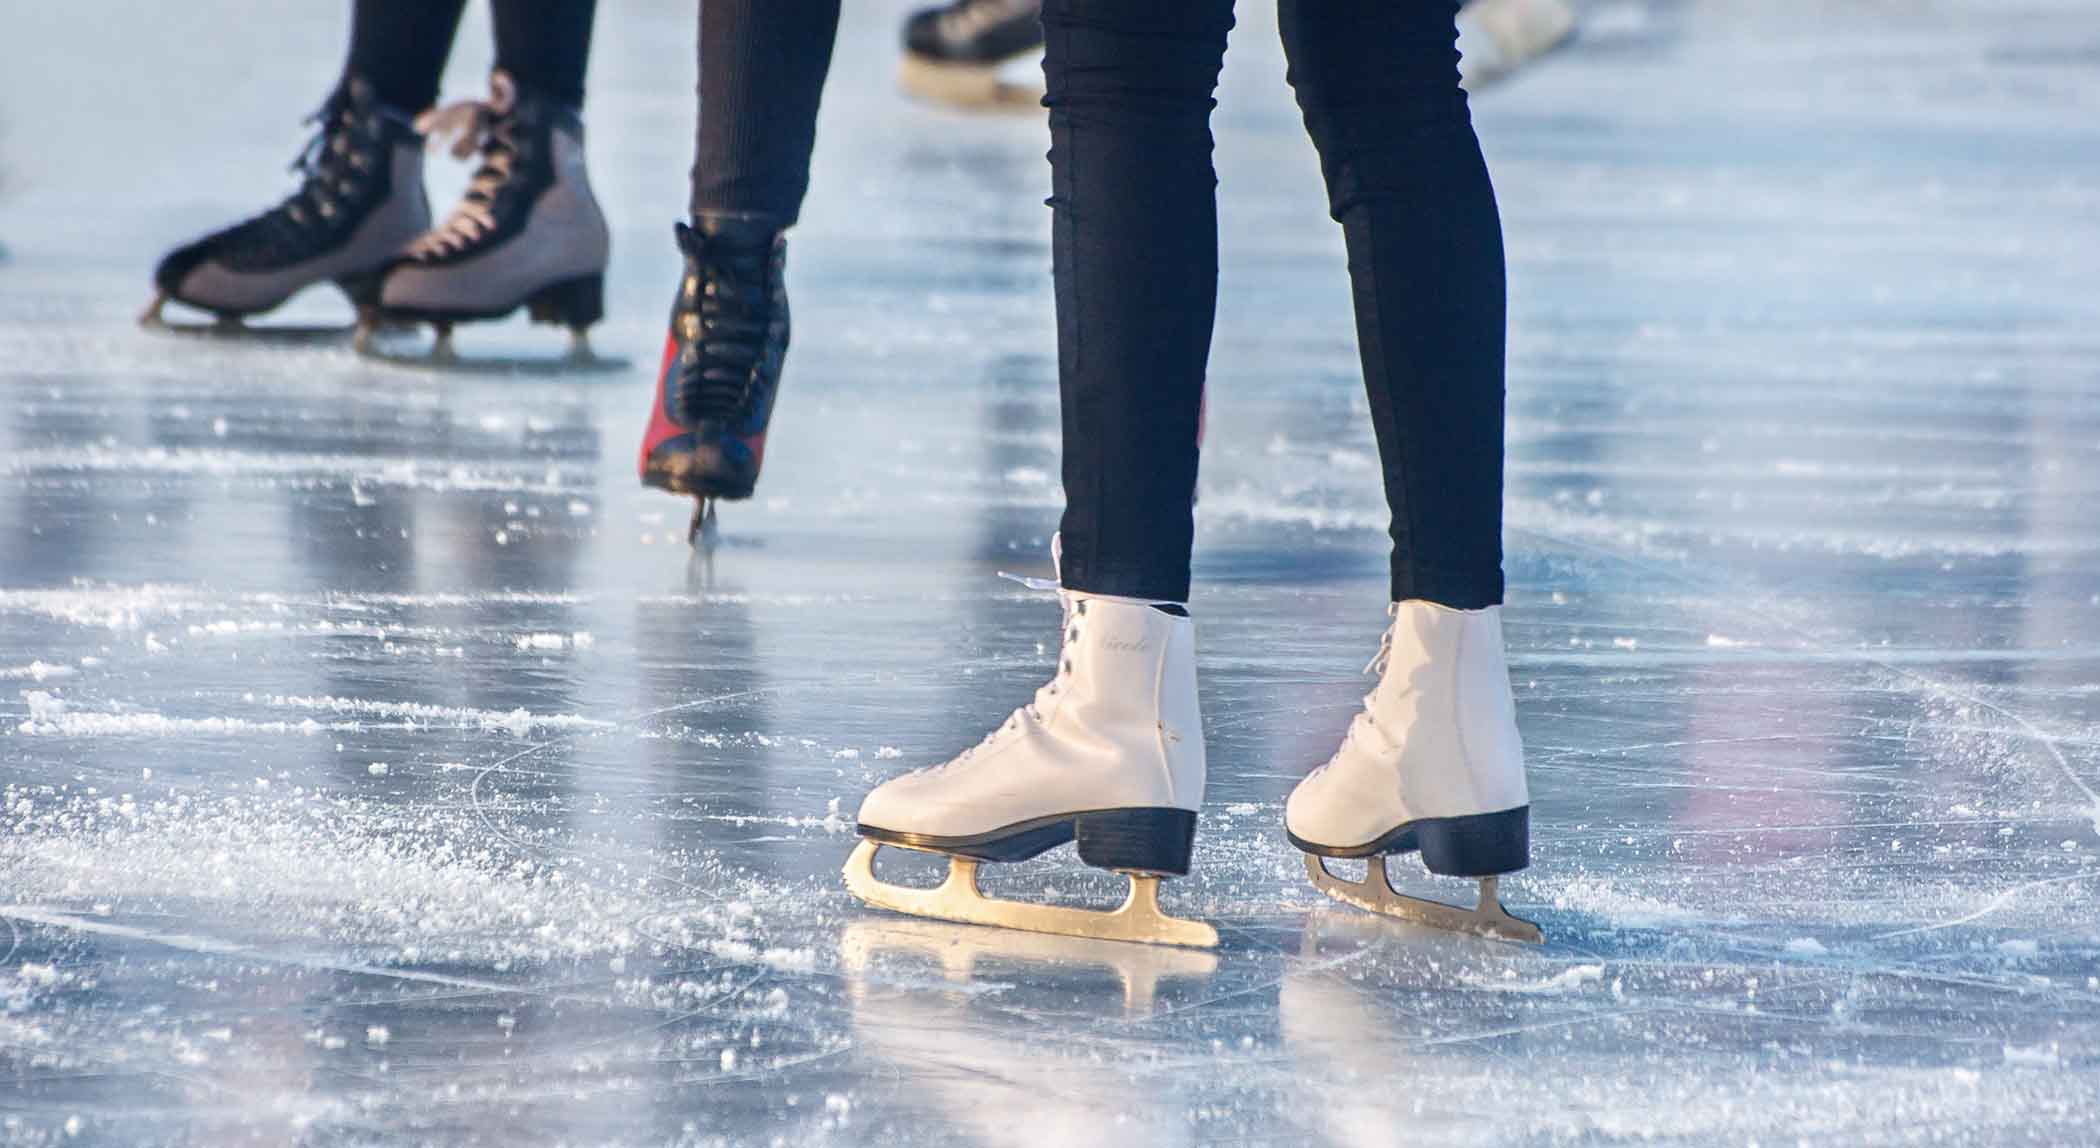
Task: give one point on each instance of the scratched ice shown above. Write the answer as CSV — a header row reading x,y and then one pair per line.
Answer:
x,y
376,769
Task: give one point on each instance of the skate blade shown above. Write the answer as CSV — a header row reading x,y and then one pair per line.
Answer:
x,y
1376,893
234,329
441,356
516,366
973,87
704,532
958,899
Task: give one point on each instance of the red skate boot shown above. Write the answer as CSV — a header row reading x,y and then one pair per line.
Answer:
x,y
721,366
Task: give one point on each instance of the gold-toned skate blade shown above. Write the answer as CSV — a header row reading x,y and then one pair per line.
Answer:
x,y
234,329
1138,919
973,87
441,355
1376,893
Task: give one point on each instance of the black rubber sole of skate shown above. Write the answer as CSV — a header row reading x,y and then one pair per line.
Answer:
x,y
574,303
1146,839
1477,845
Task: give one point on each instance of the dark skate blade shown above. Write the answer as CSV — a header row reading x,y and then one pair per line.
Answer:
x,y
517,366
704,532
266,335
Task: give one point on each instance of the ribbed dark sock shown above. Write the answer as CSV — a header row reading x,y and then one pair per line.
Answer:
x,y
762,69
399,47
545,45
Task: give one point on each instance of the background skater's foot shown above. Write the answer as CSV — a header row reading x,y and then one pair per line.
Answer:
x,y
360,199
956,53
721,366
528,233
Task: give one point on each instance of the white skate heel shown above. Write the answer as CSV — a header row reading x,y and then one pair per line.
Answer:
x,y
1109,756
1432,765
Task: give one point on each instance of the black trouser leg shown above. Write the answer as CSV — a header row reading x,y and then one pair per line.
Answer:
x,y
1377,81
399,47
1135,249
545,45
762,69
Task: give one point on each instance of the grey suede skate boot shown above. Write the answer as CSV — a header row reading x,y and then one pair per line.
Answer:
x,y
528,232
360,200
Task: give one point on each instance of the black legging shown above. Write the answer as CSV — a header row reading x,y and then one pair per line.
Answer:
x,y
762,69
1135,247
399,46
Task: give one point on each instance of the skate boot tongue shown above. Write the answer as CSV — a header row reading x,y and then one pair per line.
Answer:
x,y
726,309
490,127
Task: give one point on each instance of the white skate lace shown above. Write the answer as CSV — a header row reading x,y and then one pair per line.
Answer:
x,y
1366,719
471,125
1074,614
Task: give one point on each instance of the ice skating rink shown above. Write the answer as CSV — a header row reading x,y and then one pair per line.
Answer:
x,y
379,770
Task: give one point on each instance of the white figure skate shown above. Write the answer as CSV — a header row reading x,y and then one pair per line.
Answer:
x,y
1433,763
1110,755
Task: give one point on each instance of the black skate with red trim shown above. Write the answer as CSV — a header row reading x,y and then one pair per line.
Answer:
x,y
721,366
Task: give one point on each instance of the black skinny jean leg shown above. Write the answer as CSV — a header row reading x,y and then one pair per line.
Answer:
x,y
1135,248
399,47
1377,81
545,45
762,69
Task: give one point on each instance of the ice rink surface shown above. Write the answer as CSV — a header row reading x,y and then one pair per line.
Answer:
x,y
376,768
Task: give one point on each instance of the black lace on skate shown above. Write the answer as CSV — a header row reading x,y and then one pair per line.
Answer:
x,y
332,167
490,127
725,307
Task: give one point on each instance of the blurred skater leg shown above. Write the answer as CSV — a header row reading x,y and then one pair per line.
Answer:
x,y
762,70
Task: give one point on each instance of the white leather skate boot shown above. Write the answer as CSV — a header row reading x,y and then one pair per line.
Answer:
x,y
1110,754
1432,763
